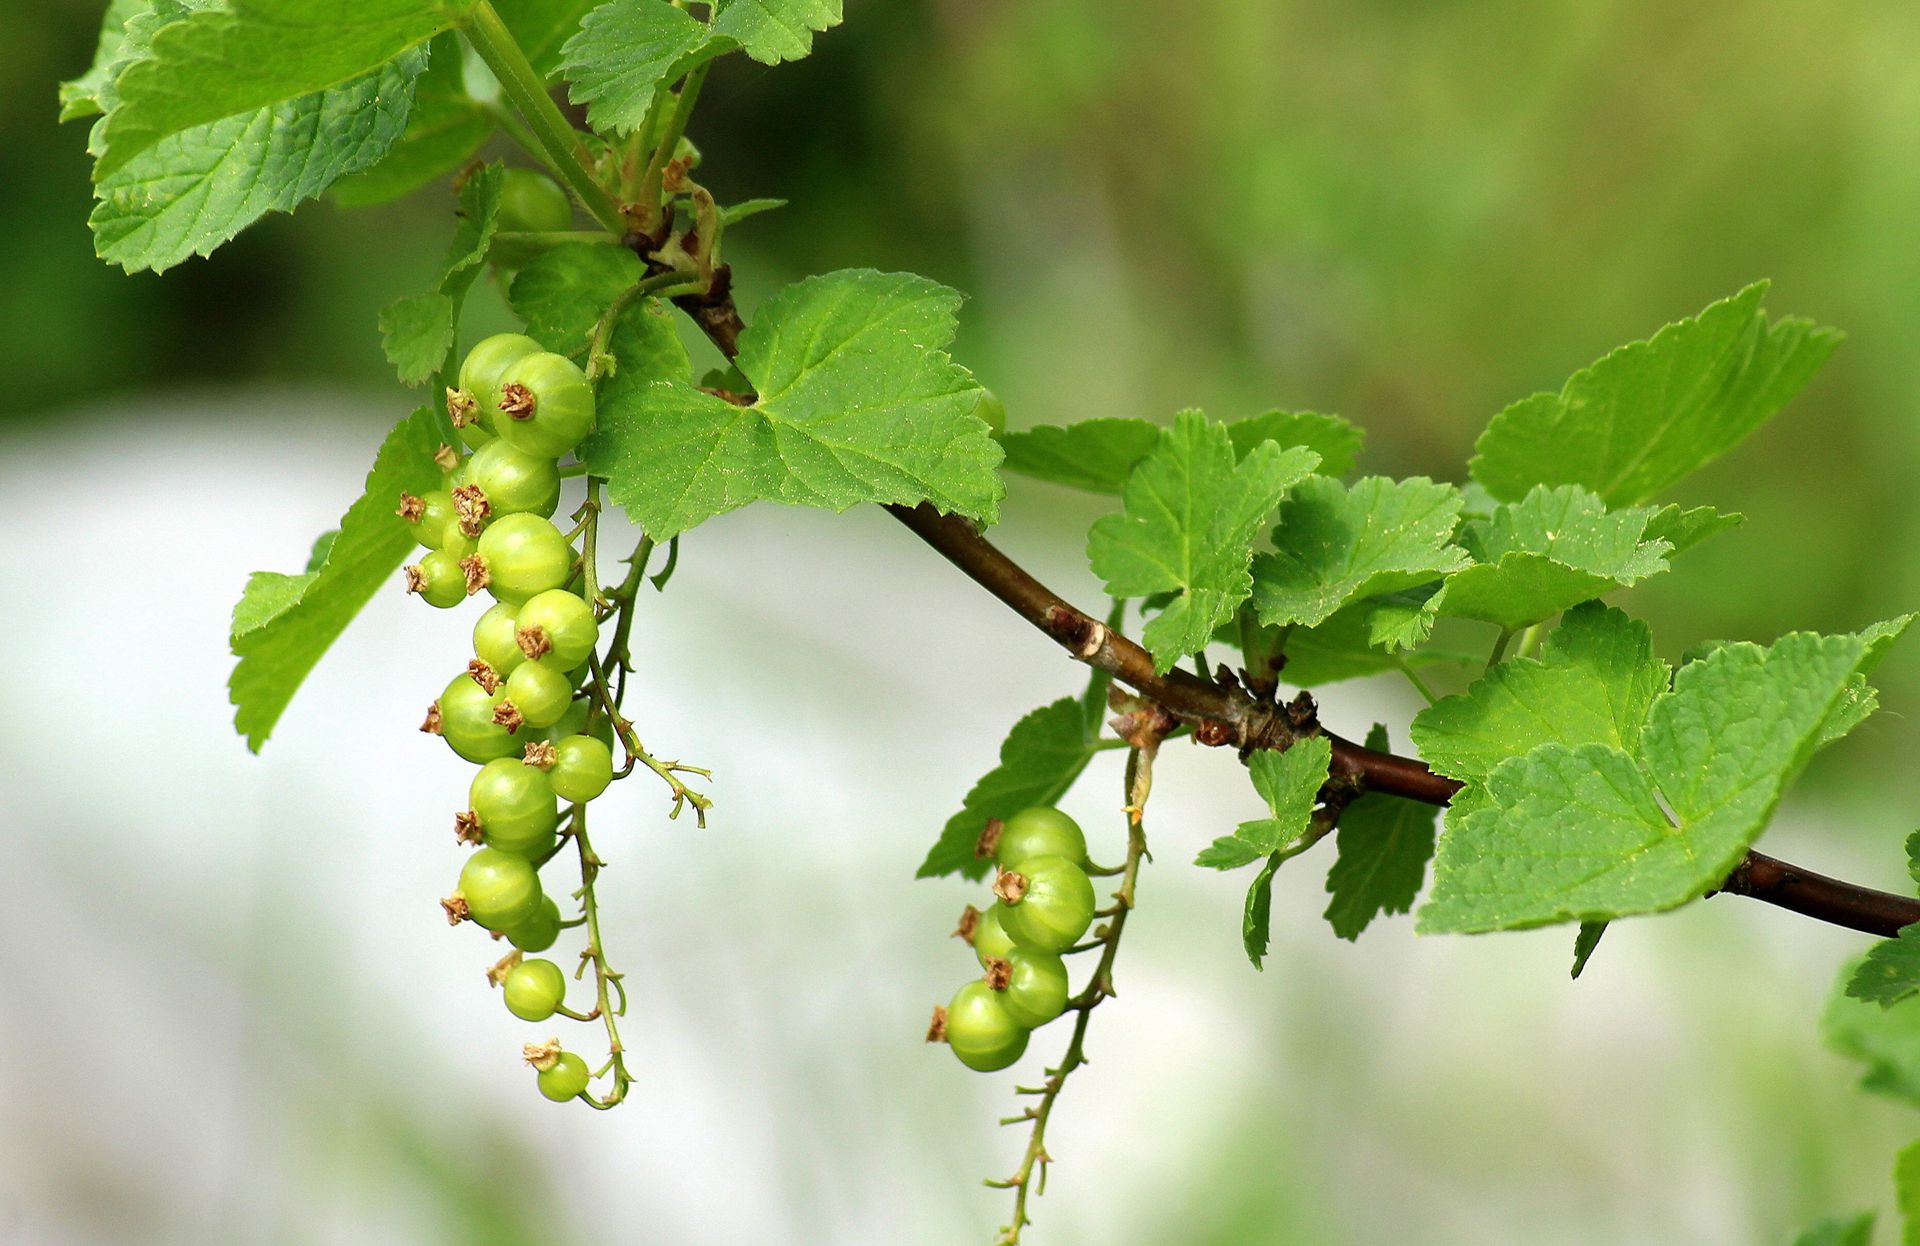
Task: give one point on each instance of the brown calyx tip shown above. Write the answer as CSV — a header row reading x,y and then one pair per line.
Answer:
x,y
411,508
937,1028
999,973
497,975
462,407
456,908
470,504
431,725
446,458
542,1056
484,675
541,755
989,841
416,578
969,922
475,569
517,400
534,642
1011,886
507,714
466,827
1212,733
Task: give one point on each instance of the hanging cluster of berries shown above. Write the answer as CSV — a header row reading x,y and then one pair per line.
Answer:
x,y
1043,904
518,710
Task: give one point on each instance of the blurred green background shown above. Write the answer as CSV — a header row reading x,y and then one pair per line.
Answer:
x,y
1410,214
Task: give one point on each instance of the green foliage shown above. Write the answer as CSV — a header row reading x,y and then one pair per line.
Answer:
x,y
1288,782
1884,1038
1096,455
1189,512
1336,545
1384,845
1851,1231
561,293
444,128
1652,413
858,402
626,51
772,31
417,332
1890,972
283,624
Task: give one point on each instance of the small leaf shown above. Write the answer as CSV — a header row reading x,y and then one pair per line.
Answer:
x,y
445,126
1042,756
1096,455
1891,971
1256,917
1290,783
625,51
1336,441
1584,944
1384,844
1336,545
416,333
562,293
1684,529
772,31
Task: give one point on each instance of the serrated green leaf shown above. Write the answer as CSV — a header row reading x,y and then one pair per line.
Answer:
x,y
625,51
1384,844
1684,529
444,128
252,55
1838,1231
1289,782
195,189
772,31
1593,683
284,624
1585,943
1890,972
1652,413
858,402
1336,441
1402,620
85,95
1095,455
542,27
1342,648
562,293
1550,551
416,333
1256,914
1042,756
1583,833
1885,1039
1336,545
1188,516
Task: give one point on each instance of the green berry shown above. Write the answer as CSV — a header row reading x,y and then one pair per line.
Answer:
x,y
532,203
501,888
990,937
545,404
514,481
465,721
438,579
430,514
522,555
582,768
1040,831
1036,990
574,722
1054,904
565,1079
540,693
558,627
534,989
480,382
980,1029
494,640
455,542
537,933
516,807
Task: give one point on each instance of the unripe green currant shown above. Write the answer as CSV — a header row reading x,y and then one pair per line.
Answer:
x,y
990,938
1035,989
1048,903
557,627
981,1031
582,768
574,722
532,203
474,404
537,933
515,806
519,556
429,513
514,482
540,693
534,989
438,579
546,404
501,888
565,1078
1040,831
495,638
463,716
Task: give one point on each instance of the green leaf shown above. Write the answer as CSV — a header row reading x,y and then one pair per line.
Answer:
x,y
1906,1189
1885,1039
1290,783
1554,549
562,293
1582,833
1095,455
1256,915
1856,1231
1593,683
226,62
89,93
746,208
284,624
1913,857
1042,756
772,31
444,128
1384,844
542,27
1335,545
626,51
1585,943
1652,413
416,333
1342,648
1684,529
858,402
1891,971
1188,516
1335,440
195,189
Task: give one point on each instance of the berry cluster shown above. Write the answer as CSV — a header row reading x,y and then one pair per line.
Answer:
x,y
1043,904
519,710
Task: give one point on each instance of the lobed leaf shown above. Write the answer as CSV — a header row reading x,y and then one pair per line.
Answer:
x,y
1335,545
562,293
1890,972
1384,844
1290,783
625,51
444,128
772,31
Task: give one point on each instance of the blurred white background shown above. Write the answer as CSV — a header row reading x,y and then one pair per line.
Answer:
x,y
238,1015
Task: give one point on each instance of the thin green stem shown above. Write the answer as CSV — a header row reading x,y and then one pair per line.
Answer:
x,y
1500,646
551,129
599,361
676,125
605,980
